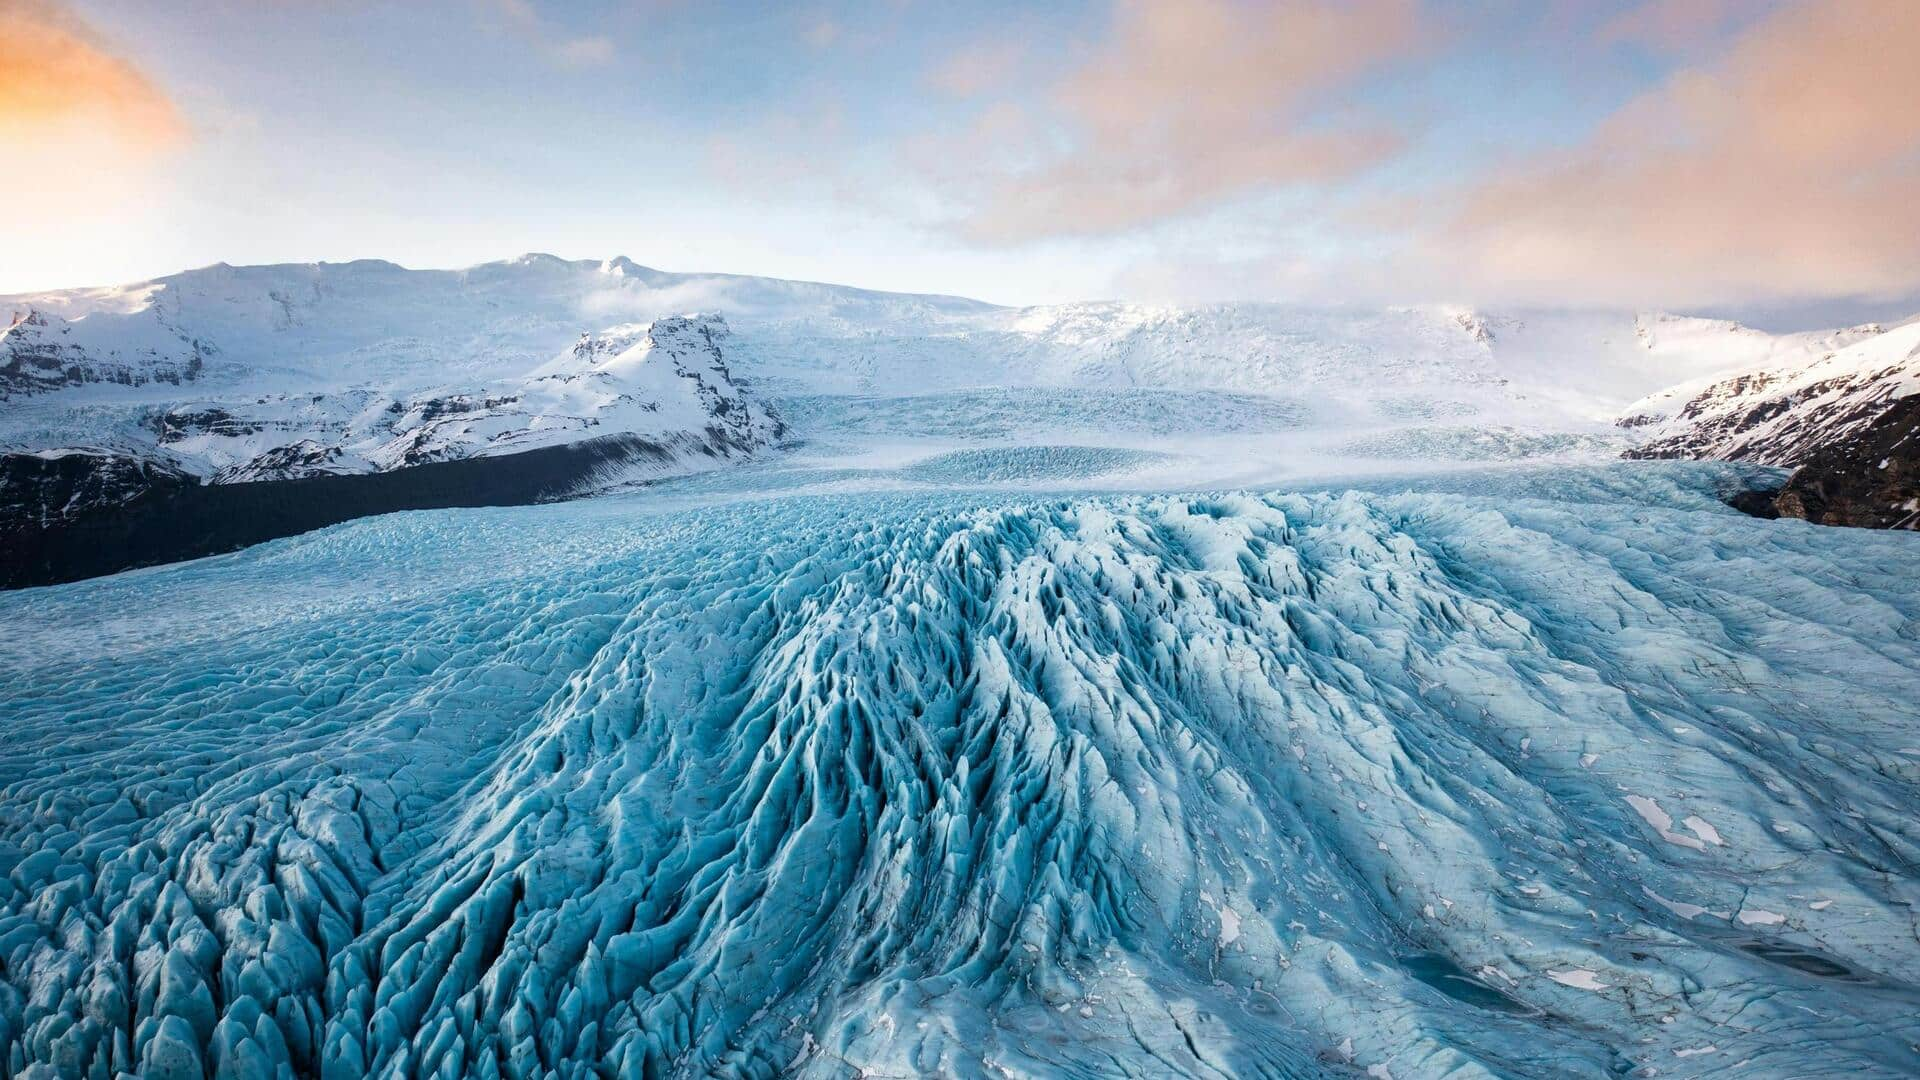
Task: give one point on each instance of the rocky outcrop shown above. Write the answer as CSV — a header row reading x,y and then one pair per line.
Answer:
x,y
46,491
1739,419
1869,479
83,515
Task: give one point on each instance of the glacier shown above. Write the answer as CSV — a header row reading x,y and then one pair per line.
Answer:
x,y
1550,771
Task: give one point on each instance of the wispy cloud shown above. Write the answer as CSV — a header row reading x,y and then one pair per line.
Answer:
x,y
58,78
1178,108
980,68
1787,165
565,50
821,33
1676,25
91,145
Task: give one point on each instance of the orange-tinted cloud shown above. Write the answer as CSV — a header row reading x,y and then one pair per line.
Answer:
x,y
1788,166
1182,106
58,79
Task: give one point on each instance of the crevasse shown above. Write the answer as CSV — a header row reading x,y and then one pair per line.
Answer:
x,y
1545,782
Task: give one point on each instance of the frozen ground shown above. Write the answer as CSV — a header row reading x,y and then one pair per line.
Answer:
x,y
1564,771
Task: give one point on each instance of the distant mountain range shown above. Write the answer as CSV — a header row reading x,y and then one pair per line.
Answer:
x,y
131,403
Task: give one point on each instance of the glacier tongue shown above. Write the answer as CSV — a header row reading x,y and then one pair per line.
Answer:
x,y
1544,782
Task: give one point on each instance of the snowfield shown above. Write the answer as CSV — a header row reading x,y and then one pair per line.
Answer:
x,y
1546,772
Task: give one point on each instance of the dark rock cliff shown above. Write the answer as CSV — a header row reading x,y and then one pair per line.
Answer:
x,y
83,515
1870,478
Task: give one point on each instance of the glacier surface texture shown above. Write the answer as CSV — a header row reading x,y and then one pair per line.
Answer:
x,y
1570,773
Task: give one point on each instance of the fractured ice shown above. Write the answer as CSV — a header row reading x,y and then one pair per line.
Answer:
x,y
1581,775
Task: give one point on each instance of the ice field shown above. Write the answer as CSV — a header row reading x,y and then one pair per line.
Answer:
x,y
1525,772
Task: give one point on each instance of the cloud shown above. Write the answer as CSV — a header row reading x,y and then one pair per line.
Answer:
x,y
636,301
1674,25
525,21
591,51
1787,166
91,146
1181,107
979,68
821,33
58,80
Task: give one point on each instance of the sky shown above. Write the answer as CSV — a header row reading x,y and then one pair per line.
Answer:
x,y
1758,158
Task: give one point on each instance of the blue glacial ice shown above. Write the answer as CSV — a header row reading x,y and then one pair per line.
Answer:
x,y
1553,773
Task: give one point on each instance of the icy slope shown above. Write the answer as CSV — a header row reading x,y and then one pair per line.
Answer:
x,y
1582,775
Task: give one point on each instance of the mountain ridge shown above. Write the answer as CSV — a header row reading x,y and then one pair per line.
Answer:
x,y
347,323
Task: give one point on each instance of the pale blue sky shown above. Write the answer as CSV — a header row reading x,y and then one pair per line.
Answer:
x,y
969,148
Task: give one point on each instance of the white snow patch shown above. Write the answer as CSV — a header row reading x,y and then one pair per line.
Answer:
x,y
1662,822
1703,829
1578,978
1680,908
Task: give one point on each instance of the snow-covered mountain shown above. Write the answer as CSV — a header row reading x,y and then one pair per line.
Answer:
x,y
1848,420
122,404
1778,411
264,372
325,326
303,329
666,381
